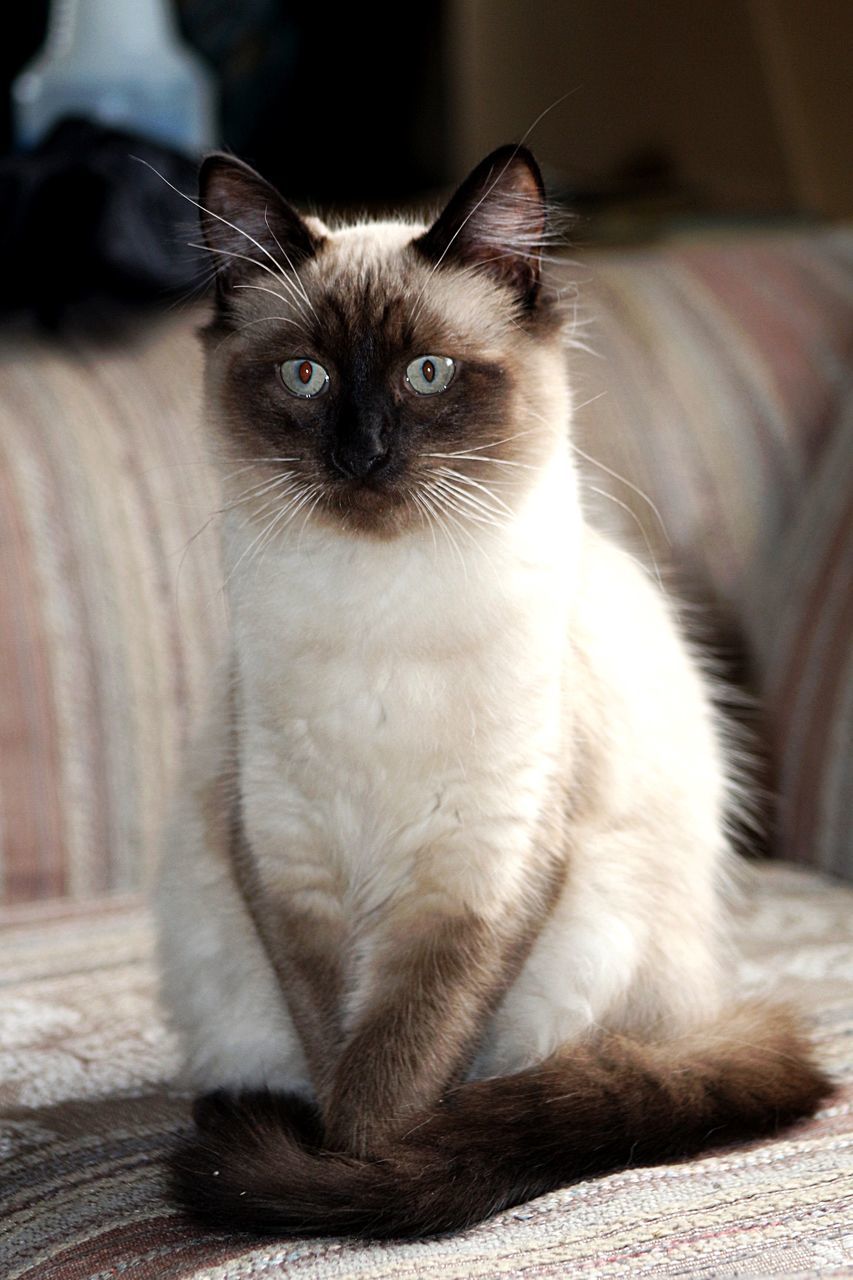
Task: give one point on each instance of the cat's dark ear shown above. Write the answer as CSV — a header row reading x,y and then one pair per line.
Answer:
x,y
495,221
246,223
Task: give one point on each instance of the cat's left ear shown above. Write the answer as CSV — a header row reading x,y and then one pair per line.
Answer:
x,y
495,221
246,223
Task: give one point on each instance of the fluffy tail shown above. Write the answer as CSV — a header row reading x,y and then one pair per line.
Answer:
x,y
257,1162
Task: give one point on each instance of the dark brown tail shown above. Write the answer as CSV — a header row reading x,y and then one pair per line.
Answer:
x,y
257,1162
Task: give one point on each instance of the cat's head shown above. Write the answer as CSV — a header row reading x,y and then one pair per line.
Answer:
x,y
383,377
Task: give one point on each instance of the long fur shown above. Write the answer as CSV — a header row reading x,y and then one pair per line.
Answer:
x,y
457,812
258,1161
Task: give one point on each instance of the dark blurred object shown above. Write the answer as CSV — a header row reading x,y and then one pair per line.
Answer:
x,y
82,218
741,104
20,41
346,105
748,102
254,47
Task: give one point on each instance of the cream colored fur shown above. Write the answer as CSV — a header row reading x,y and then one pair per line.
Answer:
x,y
406,711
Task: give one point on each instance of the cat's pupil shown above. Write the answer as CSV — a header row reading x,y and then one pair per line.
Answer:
x,y
305,371
428,370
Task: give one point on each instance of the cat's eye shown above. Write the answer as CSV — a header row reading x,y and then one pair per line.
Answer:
x,y
429,374
304,377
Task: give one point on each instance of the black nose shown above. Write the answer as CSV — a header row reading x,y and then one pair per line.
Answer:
x,y
357,463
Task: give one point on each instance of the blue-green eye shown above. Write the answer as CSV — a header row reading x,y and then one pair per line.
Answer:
x,y
304,378
429,374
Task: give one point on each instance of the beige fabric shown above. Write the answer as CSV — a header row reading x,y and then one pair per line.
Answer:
x,y
721,387
111,613
87,1118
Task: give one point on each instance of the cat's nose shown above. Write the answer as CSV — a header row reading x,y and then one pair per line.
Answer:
x,y
357,464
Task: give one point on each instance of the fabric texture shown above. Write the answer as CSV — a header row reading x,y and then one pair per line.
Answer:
x,y
87,1115
110,615
720,387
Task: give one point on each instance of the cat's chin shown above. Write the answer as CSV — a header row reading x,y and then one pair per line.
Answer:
x,y
378,511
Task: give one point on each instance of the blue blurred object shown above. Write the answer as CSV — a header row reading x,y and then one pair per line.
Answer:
x,y
121,64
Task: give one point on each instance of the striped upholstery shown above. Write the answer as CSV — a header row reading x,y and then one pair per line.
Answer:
x,y
802,625
727,374
87,1117
106,635
722,387
728,402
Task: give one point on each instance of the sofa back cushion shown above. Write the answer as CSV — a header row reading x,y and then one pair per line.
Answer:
x,y
719,387
110,616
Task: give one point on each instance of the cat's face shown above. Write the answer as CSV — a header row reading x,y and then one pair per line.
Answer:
x,y
382,378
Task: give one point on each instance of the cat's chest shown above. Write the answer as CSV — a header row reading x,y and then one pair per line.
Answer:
x,y
352,770
346,720
385,704
385,656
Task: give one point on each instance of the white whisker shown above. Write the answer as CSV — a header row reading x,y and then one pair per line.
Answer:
x,y
633,487
257,490
240,230
433,504
476,457
288,320
476,484
272,503
278,276
308,514
624,506
492,444
468,505
413,494
296,282
258,288
440,488
246,551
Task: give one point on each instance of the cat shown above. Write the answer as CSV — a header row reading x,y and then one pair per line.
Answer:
x,y
442,915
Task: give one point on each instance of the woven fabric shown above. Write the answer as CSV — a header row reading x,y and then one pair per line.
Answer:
x,y
721,390
86,1116
109,614
802,627
726,373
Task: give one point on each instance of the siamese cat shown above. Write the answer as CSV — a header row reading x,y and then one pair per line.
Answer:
x,y
443,909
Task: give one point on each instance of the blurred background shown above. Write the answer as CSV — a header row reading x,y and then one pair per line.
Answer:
x,y
705,152
658,116
704,149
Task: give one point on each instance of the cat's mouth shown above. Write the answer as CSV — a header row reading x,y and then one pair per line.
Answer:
x,y
373,504
370,495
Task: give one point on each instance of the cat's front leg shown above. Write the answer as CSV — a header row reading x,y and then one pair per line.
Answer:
x,y
298,917
435,979
435,983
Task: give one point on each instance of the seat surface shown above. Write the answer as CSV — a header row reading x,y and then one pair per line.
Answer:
x,y
88,1115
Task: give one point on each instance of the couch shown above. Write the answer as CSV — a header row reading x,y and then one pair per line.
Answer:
x,y
714,385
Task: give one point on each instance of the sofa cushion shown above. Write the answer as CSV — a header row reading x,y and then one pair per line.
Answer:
x,y
721,387
110,612
86,1116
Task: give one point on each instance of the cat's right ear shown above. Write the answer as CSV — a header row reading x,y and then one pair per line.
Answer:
x,y
495,222
247,225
